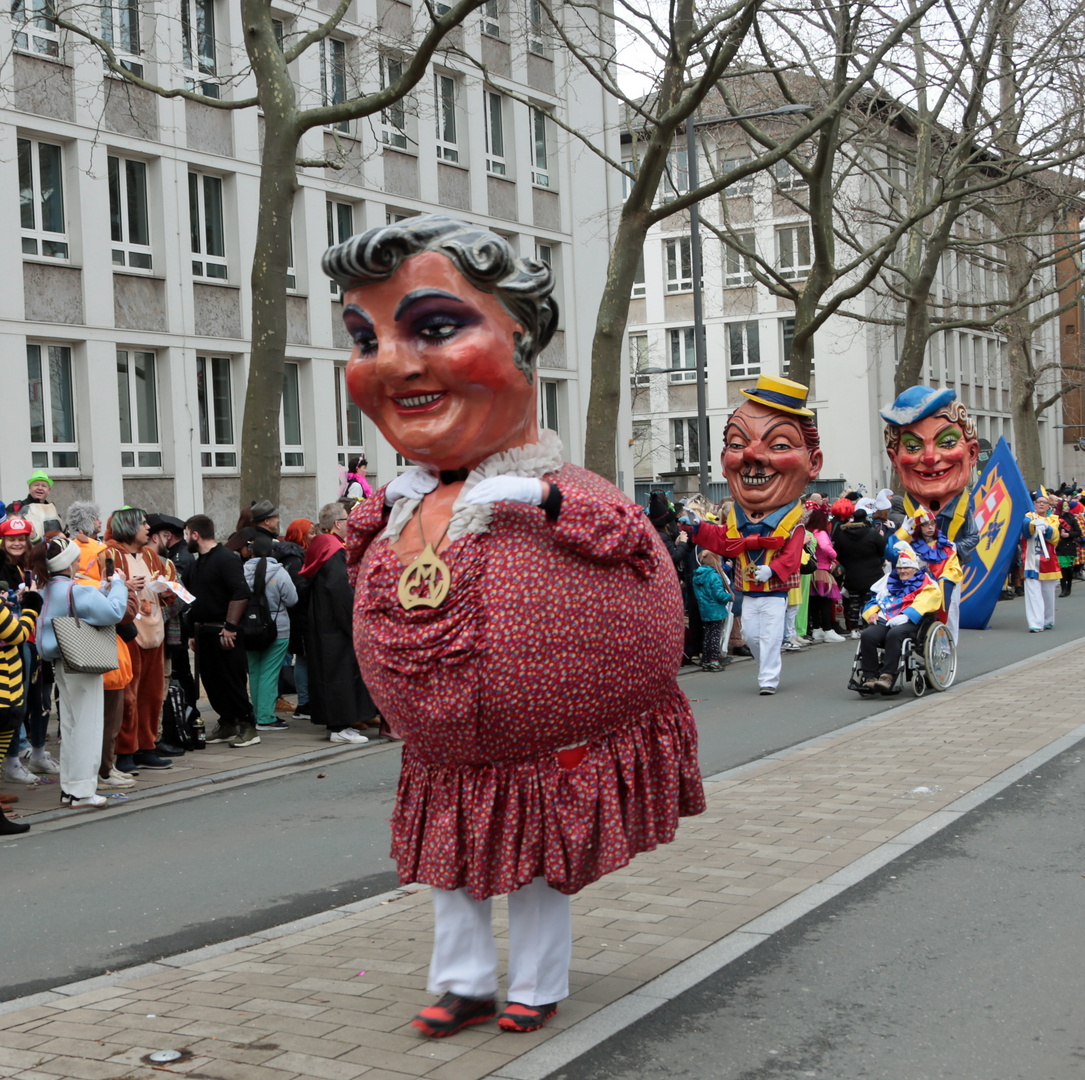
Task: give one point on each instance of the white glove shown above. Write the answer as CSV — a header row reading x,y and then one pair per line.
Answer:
x,y
898,620
844,594
412,484
520,489
117,576
909,526
763,573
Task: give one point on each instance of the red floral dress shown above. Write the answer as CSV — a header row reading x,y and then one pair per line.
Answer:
x,y
554,634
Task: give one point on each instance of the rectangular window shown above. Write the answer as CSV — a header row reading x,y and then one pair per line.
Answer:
x,y
629,176
683,355
52,407
491,18
41,199
639,285
549,398
739,266
793,251
787,331
787,176
348,419
290,418
678,257
536,29
137,399
495,133
129,227
638,359
676,178
444,94
540,152
743,350
394,117
685,436
340,227
33,29
333,76
206,226
120,29
215,396
741,187
198,46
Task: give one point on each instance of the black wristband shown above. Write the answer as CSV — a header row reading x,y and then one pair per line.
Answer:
x,y
232,627
552,503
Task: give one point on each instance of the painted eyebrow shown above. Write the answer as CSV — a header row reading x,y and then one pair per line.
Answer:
x,y
422,294
784,423
354,309
735,424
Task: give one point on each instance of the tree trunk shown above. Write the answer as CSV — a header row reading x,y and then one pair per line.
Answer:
x,y
260,440
607,368
913,350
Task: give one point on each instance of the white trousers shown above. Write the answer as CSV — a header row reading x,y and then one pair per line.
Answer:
x,y
790,629
464,956
82,717
1040,603
763,619
953,616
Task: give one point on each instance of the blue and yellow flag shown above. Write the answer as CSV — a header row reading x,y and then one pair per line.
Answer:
x,y
999,503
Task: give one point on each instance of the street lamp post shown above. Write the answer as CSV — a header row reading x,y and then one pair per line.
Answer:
x,y
699,346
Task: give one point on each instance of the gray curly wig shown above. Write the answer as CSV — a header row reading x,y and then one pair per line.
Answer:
x,y
81,517
486,260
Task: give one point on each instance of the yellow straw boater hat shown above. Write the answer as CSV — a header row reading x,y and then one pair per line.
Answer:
x,y
782,394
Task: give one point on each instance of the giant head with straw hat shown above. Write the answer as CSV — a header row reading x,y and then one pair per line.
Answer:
x,y
771,449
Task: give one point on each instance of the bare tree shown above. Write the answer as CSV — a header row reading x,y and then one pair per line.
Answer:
x,y
285,122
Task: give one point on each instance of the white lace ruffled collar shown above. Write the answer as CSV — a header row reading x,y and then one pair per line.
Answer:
x,y
535,459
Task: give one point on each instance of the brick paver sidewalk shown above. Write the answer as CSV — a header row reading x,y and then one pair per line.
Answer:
x,y
333,996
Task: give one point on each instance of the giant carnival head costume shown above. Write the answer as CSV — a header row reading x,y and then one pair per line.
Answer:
x,y
932,444
447,322
771,449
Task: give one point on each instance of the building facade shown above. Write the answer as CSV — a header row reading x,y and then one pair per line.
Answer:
x,y
748,331
127,302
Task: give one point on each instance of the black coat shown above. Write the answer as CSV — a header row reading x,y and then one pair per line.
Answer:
x,y
291,556
337,695
1069,535
860,549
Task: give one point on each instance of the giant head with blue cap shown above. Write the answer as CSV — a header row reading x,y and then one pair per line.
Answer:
x,y
771,449
931,441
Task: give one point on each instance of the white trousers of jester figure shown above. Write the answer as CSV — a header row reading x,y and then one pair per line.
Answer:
x,y
763,618
540,945
953,616
1039,603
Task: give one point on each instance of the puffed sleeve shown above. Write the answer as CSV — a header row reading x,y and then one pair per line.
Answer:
x,y
366,520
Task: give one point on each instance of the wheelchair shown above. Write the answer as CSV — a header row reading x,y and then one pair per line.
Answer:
x,y
927,661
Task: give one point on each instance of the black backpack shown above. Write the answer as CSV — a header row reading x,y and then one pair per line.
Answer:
x,y
258,629
181,724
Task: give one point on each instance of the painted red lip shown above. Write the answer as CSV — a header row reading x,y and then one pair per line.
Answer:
x,y
420,402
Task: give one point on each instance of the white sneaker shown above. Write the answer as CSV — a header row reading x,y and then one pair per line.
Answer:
x,y
15,772
817,635
855,635
116,774
116,780
796,642
832,635
347,735
44,766
95,801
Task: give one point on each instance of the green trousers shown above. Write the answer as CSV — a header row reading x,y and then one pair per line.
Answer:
x,y
264,679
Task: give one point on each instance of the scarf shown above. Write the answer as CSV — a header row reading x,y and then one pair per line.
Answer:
x,y
321,549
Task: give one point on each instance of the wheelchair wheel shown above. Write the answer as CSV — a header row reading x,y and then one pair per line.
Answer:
x,y
940,658
919,684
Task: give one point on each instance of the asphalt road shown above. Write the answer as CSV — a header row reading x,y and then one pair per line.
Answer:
x,y
106,893
959,960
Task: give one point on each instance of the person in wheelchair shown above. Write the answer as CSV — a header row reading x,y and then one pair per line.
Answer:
x,y
937,554
900,601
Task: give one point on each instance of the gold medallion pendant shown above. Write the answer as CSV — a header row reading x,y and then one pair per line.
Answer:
x,y
425,582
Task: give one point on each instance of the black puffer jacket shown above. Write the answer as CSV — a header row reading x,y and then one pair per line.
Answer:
x,y
860,549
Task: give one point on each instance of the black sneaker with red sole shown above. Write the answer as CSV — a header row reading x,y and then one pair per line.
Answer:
x,y
517,1017
453,1013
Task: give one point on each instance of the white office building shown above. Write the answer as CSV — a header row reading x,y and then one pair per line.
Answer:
x,y
126,304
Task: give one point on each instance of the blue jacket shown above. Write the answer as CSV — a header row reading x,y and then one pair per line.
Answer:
x,y
88,602
712,595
